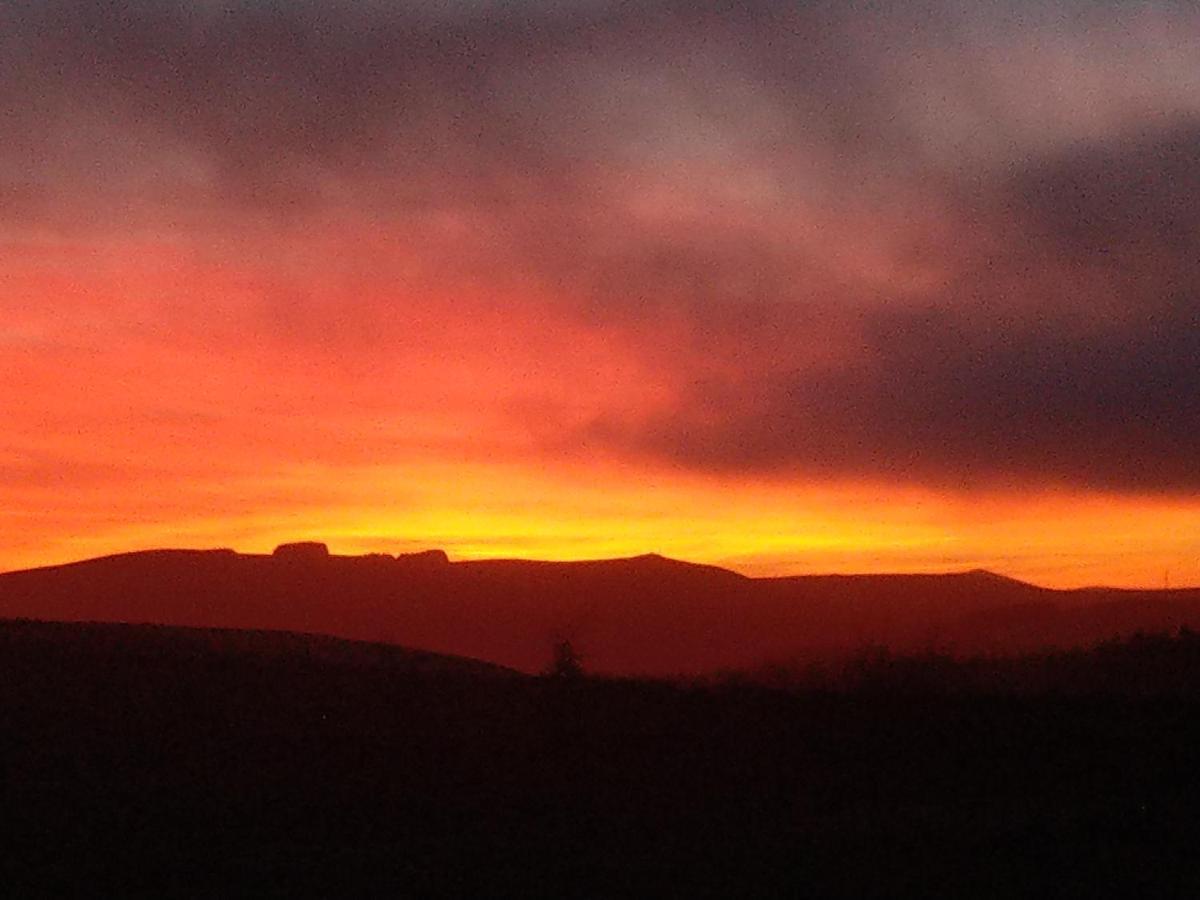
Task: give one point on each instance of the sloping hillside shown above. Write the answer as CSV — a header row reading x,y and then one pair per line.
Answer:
x,y
644,615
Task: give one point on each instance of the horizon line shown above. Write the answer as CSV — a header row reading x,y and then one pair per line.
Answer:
x,y
451,559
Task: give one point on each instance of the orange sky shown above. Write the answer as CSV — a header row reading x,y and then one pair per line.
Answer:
x,y
903,307
159,424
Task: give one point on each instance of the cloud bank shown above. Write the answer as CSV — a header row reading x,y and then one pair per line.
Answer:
x,y
946,245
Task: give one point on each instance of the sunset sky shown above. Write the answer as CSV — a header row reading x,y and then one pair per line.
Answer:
x,y
790,287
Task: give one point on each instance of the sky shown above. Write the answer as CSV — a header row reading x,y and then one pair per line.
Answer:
x,y
785,286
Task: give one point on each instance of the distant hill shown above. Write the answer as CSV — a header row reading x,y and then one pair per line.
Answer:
x,y
98,641
643,615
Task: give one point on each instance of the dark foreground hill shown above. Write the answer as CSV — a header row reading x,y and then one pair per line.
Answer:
x,y
143,762
646,615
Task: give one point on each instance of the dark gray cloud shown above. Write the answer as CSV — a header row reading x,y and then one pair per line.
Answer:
x,y
1132,195
972,392
940,400
411,101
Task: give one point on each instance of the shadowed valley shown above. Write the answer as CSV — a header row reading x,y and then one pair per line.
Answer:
x,y
145,760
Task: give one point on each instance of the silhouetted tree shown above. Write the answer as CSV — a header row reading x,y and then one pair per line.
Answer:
x,y
566,662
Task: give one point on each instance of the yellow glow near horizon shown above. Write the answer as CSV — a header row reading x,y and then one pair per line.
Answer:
x,y
477,511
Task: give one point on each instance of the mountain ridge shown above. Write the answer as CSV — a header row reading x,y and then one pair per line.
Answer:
x,y
644,559
641,615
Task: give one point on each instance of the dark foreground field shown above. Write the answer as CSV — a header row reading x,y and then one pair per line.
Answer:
x,y
159,761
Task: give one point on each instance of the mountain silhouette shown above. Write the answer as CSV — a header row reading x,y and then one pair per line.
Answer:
x,y
645,615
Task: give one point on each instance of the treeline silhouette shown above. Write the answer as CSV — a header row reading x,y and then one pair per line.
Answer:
x,y
1143,664
143,760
